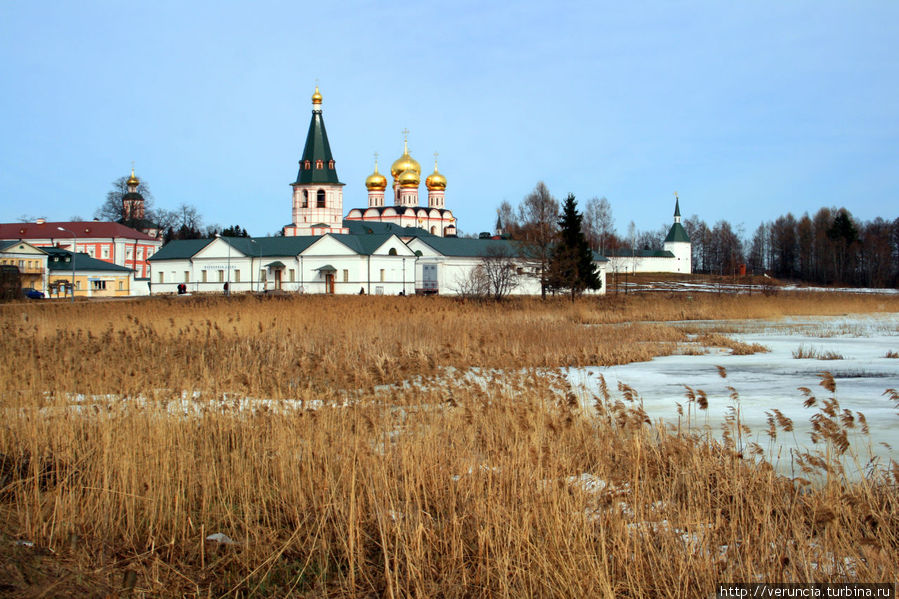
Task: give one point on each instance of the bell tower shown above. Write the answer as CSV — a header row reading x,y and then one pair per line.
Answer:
x,y
317,192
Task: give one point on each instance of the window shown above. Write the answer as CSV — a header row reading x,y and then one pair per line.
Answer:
x,y
221,276
305,198
121,285
205,276
392,252
129,252
78,285
161,277
237,276
106,253
99,285
382,275
346,276
331,164
307,165
319,164
140,253
320,199
292,274
261,274
149,252
187,276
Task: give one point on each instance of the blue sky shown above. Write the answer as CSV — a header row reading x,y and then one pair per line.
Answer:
x,y
747,109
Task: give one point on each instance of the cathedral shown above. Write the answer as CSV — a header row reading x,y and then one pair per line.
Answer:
x,y
318,193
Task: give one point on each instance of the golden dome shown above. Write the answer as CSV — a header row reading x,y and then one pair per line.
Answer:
x,y
132,180
376,181
316,97
405,163
409,178
435,180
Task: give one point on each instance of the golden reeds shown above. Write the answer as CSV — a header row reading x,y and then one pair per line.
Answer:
x,y
393,447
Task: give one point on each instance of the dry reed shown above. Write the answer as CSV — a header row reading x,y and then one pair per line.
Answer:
x,y
414,446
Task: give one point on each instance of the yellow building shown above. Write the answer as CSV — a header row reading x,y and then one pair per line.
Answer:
x,y
93,278
30,260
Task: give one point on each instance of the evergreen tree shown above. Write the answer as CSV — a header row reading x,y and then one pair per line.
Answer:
x,y
571,266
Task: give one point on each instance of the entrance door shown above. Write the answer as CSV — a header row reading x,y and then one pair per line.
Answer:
x,y
278,278
329,283
429,278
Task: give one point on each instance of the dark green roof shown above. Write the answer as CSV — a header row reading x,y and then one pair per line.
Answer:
x,y
180,248
358,227
628,253
6,244
268,247
677,233
317,149
466,247
58,261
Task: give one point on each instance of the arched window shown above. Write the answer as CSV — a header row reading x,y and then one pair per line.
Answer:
x,y
433,230
308,165
320,199
305,199
392,252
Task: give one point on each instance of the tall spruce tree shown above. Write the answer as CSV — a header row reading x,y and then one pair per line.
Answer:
x,y
571,267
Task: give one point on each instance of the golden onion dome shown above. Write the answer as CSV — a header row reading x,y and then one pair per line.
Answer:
x,y
435,181
316,97
405,163
376,181
132,180
408,178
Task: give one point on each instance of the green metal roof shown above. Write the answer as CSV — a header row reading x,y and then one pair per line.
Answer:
x,y
317,149
58,261
268,247
179,249
677,233
465,247
628,253
358,227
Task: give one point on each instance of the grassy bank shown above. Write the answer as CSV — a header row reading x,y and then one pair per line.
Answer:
x,y
457,486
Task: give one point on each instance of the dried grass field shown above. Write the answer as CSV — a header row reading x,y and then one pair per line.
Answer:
x,y
400,446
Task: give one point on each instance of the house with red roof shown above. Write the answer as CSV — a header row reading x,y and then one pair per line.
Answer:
x,y
107,241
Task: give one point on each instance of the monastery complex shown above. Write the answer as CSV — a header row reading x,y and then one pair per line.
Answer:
x,y
398,246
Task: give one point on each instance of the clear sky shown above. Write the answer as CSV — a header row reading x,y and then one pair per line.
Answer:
x,y
748,109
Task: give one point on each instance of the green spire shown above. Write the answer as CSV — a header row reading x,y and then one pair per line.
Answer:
x,y
317,163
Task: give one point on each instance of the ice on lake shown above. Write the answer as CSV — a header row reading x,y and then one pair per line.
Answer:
x,y
771,380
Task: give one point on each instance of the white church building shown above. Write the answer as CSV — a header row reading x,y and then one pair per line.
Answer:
x,y
380,249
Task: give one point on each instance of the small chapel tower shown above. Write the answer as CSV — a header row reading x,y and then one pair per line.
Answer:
x,y
317,192
436,184
678,242
132,201
376,183
406,174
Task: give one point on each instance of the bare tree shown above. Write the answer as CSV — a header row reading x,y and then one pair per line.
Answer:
x,y
508,218
539,216
500,271
599,225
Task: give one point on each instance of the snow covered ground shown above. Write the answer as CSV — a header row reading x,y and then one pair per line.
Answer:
x,y
722,287
770,380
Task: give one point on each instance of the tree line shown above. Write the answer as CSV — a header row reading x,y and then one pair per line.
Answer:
x,y
831,247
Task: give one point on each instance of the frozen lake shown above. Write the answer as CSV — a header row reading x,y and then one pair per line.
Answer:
x,y
770,380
